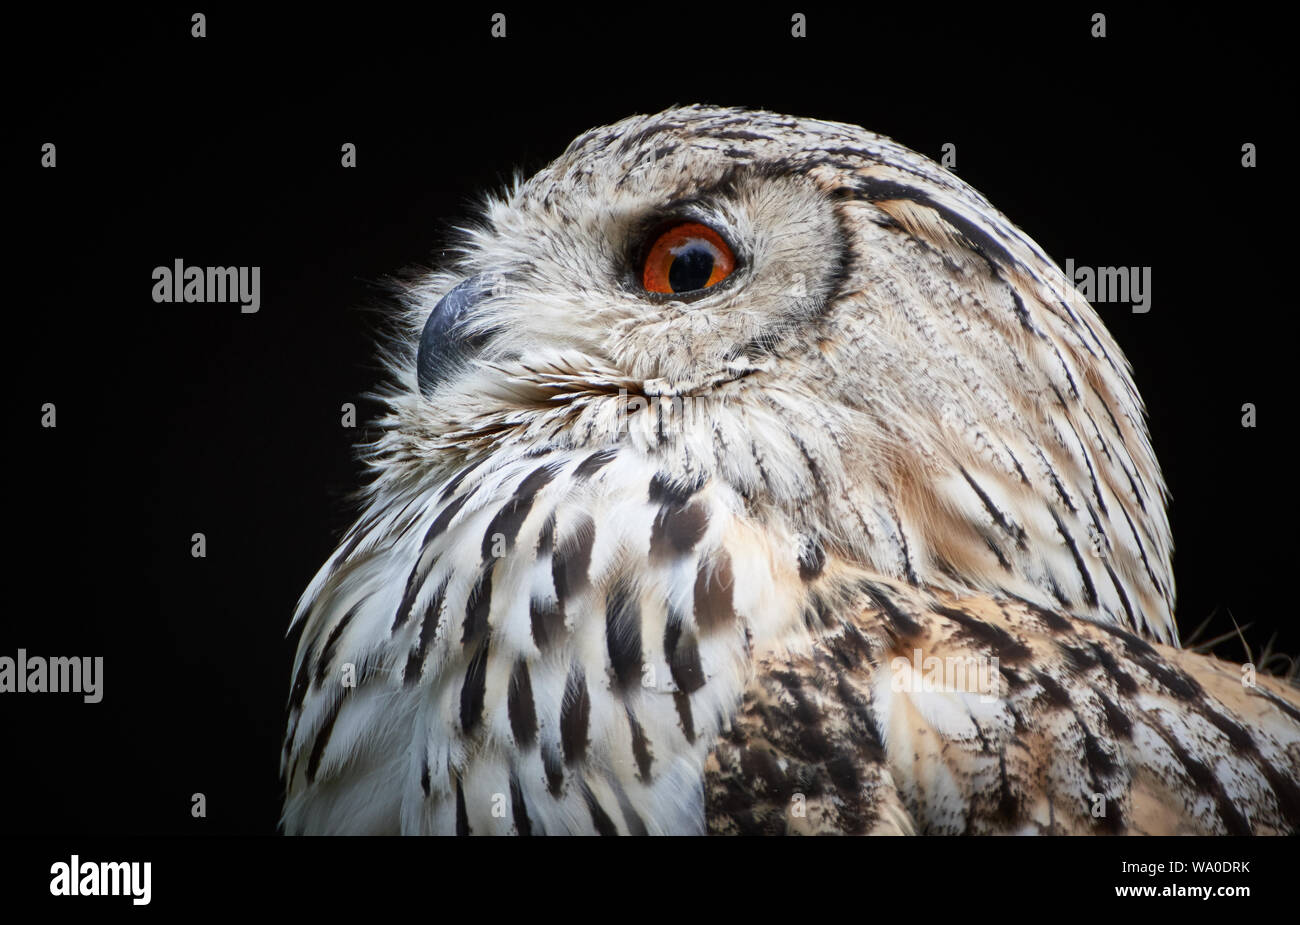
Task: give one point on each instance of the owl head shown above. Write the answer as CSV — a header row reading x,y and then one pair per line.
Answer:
x,y
843,332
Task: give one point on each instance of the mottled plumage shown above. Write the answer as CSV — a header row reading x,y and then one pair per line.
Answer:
x,y
638,563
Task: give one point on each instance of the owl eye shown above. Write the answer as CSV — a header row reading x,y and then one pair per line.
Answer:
x,y
686,258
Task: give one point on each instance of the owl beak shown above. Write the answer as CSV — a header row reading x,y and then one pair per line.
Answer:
x,y
444,345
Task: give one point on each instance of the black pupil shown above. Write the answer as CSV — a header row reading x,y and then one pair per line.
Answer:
x,y
692,266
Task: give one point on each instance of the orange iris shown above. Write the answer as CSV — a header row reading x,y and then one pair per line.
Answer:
x,y
686,258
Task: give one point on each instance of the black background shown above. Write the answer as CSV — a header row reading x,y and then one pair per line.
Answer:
x,y
176,419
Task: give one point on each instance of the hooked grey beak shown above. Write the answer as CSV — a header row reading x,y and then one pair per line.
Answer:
x,y
444,344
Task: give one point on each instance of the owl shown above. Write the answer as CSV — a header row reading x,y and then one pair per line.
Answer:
x,y
749,474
